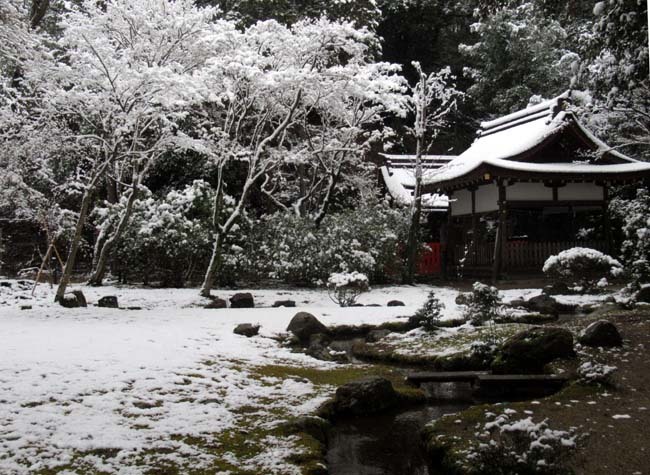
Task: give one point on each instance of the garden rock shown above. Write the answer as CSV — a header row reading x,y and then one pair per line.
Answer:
x,y
368,395
643,295
243,300
546,304
601,333
557,288
304,325
246,329
395,303
463,298
318,347
81,298
376,335
108,301
73,300
527,352
216,303
284,303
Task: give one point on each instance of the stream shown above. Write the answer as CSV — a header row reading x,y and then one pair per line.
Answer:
x,y
385,444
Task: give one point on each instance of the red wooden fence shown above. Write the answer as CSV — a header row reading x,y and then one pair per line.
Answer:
x,y
430,260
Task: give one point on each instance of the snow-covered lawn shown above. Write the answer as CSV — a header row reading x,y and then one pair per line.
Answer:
x,y
122,390
125,391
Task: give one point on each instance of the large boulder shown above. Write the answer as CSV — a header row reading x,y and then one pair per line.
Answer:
x,y
242,300
246,329
108,301
368,395
304,325
528,351
601,333
395,303
216,303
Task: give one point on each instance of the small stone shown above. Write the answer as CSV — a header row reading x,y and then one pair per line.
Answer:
x,y
242,300
395,303
108,301
25,307
601,333
284,303
246,329
217,303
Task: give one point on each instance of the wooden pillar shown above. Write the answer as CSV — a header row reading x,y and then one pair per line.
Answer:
x,y
446,241
607,228
500,241
474,227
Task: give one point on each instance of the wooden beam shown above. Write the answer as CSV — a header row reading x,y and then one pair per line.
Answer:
x,y
500,241
607,228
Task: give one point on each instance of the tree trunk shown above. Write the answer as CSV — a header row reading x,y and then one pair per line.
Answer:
x,y
412,243
100,270
324,207
74,247
215,263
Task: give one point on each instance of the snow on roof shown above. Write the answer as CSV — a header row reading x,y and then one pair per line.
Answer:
x,y
502,139
408,161
401,184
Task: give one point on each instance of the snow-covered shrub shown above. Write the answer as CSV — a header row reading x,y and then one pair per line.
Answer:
x,y
429,314
168,239
635,250
592,372
483,304
289,248
582,266
521,446
345,287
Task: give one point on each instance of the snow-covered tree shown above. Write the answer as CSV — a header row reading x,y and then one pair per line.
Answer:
x,y
120,77
434,96
615,71
522,51
342,117
280,81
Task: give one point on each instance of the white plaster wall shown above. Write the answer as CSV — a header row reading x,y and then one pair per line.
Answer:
x,y
461,203
580,191
529,192
487,197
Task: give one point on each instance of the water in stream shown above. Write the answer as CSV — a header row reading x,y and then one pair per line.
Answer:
x,y
387,444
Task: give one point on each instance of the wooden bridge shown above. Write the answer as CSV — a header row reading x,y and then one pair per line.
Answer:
x,y
494,385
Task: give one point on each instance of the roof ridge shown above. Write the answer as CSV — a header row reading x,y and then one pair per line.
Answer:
x,y
553,106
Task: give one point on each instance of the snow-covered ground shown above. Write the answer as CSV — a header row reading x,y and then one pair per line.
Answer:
x,y
144,385
77,381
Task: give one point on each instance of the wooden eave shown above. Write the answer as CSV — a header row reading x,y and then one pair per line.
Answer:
x,y
476,177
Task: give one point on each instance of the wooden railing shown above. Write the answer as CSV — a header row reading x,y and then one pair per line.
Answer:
x,y
518,254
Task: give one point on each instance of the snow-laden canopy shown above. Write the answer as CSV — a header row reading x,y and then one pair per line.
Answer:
x,y
398,174
545,141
